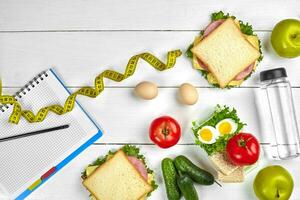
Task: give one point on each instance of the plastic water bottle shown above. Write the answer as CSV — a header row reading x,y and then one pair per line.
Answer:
x,y
277,93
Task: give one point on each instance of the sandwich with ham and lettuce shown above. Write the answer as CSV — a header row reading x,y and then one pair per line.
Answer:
x,y
121,174
226,52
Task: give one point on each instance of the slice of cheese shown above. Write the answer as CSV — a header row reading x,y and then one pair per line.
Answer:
x,y
90,169
253,39
212,80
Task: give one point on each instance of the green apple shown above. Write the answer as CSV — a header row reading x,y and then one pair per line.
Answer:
x,y
273,183
285,38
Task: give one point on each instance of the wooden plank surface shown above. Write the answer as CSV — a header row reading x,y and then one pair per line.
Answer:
x,y
78,57
137,15
82,38
126,118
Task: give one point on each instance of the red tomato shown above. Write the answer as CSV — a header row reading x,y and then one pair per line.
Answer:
x,y
165,131
243,149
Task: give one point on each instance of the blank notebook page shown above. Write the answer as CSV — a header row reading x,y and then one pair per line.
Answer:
x,y
24,160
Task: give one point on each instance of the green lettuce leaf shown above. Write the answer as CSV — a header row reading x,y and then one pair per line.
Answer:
x,y
220,15
246,28
188,52
220,113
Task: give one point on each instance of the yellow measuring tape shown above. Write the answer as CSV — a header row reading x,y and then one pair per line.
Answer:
x,y
87,91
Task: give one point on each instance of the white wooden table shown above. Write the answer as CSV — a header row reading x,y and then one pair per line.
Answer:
x,y
81,38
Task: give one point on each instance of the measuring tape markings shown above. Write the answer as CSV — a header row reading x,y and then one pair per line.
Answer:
x,y
87,91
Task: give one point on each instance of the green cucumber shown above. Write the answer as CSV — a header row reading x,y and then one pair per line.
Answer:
x,y
170,177
184,165
187,188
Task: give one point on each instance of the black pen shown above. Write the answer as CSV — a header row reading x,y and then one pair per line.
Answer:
x,y
34,133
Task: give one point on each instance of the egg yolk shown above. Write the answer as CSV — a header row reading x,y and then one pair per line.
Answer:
x,y
206,135
225,128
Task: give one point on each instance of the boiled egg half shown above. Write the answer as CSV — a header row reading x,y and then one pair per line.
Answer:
x,y
226,126
208,135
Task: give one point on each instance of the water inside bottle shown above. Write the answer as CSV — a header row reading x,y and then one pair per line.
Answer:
x,y
282,113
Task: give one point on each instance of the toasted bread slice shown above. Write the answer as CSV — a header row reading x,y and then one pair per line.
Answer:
x,y
117,179
237,176
222,164
226,52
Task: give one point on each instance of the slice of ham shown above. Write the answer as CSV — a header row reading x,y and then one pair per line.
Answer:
x,y
202,65
244,73
139,165
212,26
238,77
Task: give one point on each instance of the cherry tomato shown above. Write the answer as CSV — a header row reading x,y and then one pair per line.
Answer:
x,y
243,149
165,131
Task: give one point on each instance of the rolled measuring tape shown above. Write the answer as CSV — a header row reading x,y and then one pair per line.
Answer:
x,y
87,91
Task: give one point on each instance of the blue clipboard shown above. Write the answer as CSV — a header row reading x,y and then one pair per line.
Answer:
x,y
52,171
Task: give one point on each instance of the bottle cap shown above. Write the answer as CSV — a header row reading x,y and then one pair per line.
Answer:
x,y
273,74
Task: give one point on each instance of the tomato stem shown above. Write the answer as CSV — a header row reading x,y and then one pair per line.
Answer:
x,y
241,142
165,132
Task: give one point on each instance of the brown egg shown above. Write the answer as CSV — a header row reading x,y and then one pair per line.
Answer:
x,y
146,90
188,94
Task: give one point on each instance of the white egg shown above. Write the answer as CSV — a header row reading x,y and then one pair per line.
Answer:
x,y
146,90
208,135
188,94
226,126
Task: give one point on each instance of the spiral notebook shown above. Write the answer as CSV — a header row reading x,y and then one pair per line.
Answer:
x,y
28,162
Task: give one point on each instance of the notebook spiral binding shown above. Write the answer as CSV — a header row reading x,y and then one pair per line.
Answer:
x,y
29,86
